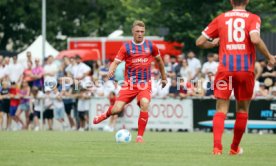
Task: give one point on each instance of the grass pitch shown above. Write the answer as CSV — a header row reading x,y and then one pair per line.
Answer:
x,y
100,149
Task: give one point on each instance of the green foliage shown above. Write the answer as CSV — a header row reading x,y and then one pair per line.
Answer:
x,y
20,20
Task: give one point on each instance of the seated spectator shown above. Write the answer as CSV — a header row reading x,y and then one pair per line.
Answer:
x,y
262,92
208,85
273,92
173,91
268,75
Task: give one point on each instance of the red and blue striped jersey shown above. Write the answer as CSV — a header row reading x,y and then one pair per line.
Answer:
x,y
236,51
138,58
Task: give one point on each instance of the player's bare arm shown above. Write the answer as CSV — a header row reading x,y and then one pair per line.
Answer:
x,y
260,45
112,68
162,70
203,42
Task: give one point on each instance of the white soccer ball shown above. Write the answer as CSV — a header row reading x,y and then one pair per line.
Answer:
x,y
123,136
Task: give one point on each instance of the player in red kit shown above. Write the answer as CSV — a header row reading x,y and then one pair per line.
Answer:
x,y
138,55
237,32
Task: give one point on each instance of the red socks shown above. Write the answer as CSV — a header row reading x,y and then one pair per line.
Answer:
x,y
218,128
239,128
142,122
108,112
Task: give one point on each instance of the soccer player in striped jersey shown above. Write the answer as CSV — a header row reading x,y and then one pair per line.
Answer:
x,y
138,55
238,34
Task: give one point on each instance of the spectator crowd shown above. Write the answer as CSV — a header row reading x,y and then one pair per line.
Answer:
x,y
62,88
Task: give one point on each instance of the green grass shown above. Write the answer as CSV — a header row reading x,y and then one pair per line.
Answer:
x,y
100,149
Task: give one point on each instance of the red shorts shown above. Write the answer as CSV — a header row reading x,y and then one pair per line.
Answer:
x,y
127,95
241,82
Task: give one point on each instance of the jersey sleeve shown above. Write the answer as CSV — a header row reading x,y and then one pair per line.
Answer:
x,y
155,51
121,54
255,25
211,31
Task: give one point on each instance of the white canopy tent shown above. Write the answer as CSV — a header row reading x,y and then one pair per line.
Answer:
x,y
36,49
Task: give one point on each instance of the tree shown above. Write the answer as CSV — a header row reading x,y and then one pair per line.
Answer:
x,y
20,20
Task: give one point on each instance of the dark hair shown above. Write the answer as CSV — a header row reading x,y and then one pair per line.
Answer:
x,y
77,57
239,2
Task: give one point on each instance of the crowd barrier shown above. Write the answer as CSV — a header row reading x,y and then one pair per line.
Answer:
x,y
185,115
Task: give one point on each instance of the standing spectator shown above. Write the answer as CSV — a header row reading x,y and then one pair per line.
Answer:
x,y
216,57
3,71
28,74
155,81
117,87
37,74
185,72
68,103
98,89
24,103
15,71
210,66
50,69
81,70
14,103
96,68
48,113
5,103
58,107
194,65
29,59
108,86
36,105
83,107
167,64
174,63
71,67
179,64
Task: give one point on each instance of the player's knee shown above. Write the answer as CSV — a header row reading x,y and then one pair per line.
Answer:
x,y
116,109
144,104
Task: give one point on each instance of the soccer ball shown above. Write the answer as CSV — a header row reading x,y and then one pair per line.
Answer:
x,y
123,136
